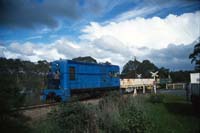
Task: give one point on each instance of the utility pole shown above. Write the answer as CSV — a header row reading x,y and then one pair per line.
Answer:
x,y
139,76
135,66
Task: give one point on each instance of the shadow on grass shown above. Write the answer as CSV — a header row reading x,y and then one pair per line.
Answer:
x,y
184,109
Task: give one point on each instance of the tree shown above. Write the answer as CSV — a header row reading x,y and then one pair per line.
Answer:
x,y
146,67
130,69
195,56
180,76
134,67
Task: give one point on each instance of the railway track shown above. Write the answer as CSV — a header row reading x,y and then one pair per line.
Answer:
x,y
37,112
35,106
32,107
48,105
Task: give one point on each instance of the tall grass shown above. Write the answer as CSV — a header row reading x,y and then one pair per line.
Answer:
x,y
124,114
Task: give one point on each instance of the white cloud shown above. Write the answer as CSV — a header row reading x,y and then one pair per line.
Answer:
x,y
34,37
65,49
26,48
152,32
142,12
102,49
119,42
32,52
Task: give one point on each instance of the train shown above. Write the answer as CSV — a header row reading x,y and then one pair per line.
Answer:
x,y
67,77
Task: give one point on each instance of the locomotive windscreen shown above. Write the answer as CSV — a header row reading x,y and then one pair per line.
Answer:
x,y
53,80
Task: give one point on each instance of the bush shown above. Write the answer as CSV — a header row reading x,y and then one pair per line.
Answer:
x,y
108,114
122,114
113,114
74,117
135,120
157,98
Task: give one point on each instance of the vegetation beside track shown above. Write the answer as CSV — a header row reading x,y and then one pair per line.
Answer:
x,y
144,113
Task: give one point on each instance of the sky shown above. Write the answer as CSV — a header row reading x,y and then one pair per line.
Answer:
x,y
162,31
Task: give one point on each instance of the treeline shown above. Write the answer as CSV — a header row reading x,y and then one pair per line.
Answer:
x,y
28,75
29,78
134,67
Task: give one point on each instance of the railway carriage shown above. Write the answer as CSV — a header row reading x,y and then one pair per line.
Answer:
x,y
77,77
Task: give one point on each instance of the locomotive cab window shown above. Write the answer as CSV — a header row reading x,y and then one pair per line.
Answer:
x,y
72,73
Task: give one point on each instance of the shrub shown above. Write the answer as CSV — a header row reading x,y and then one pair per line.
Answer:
x,y
134,120
74,117
108,114
122,114
113,114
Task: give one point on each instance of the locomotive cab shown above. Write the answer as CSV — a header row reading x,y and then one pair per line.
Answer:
x,y
53,90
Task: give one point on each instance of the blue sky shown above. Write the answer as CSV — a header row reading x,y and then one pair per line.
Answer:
x,y
108,30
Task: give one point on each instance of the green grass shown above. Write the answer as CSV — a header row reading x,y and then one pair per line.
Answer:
x,y
165,114
174,115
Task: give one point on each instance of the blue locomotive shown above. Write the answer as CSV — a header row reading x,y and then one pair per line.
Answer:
x,y
66,77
